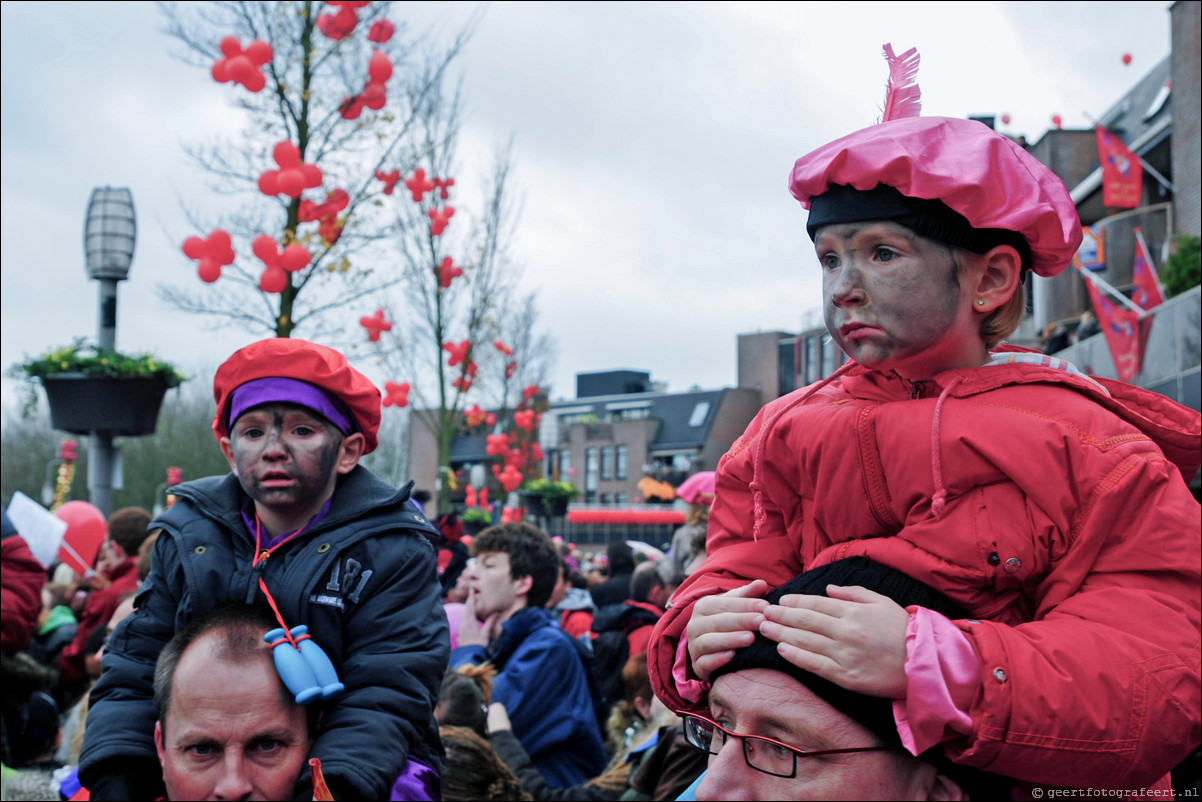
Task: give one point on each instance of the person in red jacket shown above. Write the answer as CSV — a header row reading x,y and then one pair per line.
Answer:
x,y
116,576
1051,506
23,578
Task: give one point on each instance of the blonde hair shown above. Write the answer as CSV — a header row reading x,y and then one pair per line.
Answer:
x,y
698,514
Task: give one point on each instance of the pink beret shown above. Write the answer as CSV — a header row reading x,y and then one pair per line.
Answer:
x,y
980,174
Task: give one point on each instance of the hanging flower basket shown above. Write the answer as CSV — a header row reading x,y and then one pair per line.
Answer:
x,y
82,404
98,390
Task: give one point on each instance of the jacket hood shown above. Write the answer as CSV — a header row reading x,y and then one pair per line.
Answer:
x,y
576,599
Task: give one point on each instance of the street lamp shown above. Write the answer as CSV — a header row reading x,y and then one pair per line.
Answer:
x,y
109,235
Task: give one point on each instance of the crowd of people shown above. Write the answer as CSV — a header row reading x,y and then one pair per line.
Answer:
x,y
953,569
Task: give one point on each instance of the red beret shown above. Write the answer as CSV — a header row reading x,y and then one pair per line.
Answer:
x,y
285,357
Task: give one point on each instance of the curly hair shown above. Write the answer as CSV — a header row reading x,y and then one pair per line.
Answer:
x,y
531,553
473,769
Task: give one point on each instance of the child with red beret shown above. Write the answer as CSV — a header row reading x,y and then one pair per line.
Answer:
x,y
1050,505
301,525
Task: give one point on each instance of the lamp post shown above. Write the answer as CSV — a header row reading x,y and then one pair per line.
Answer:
x,y
109,234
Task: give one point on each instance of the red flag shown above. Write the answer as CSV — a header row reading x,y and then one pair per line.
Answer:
x,y
1126,334
1146,292
1122,174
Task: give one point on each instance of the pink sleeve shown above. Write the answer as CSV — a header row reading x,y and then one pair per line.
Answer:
x,y
689,687
942,676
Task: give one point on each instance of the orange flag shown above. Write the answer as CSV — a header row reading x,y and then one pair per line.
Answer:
x,y
321,792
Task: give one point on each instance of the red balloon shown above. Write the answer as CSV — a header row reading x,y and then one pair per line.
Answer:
x,y
374,96
379,67
258,52
273,280
1005,119
230,47
286,154
209,271
294,257
381,31
1126,58
290,183
265,248
1056,121
86,530
194,248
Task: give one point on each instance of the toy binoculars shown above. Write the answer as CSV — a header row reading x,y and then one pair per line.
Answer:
x,y
304,667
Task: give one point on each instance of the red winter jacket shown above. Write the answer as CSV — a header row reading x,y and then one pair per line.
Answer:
x,y
1050,506
23,578
97,610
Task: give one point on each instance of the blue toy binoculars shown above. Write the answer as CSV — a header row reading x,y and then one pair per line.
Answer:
x,y
304,667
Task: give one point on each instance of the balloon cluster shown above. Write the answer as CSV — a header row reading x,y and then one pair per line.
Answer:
x,y
214,252
293,177
375,92
341,25
278,264
396,395
439,219
390,179
447,272
419,185
473,499
374,325
325,213
242,66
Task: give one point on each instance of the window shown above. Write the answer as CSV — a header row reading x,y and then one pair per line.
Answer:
x,y
699,414
623,454
606,498
607,463
620,499
590,471
565,465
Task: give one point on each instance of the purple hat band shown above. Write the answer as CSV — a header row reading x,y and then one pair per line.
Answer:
x,y
277,389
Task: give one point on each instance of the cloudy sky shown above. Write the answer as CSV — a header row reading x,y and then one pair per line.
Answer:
x,y
652,146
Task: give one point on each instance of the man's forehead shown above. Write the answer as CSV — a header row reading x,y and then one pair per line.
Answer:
x,y
767,702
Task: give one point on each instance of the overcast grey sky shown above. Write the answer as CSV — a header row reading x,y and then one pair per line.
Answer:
x,y
652,146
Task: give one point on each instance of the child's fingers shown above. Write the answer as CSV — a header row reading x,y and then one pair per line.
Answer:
x,y
707,664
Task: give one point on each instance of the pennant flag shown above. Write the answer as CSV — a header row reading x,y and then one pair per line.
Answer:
x,y
321,791
1146,293
1122,174
1126,333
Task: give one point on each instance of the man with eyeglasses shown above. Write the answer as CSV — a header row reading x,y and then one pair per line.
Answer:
x,y
774,731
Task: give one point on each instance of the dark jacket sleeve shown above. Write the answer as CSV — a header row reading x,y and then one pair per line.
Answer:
x,y
121,716
398,644
510,750
22,579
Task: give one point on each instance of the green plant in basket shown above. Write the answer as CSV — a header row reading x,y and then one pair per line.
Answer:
x,y
551,489
83,358
475,515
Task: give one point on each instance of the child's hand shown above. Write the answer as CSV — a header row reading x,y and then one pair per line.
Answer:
x,y
854,637
722,623
473,631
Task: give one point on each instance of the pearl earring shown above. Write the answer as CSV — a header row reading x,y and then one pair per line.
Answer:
x,y
980,302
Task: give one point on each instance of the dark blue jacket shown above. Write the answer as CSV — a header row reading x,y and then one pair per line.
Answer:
x,y
544,686
363,579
